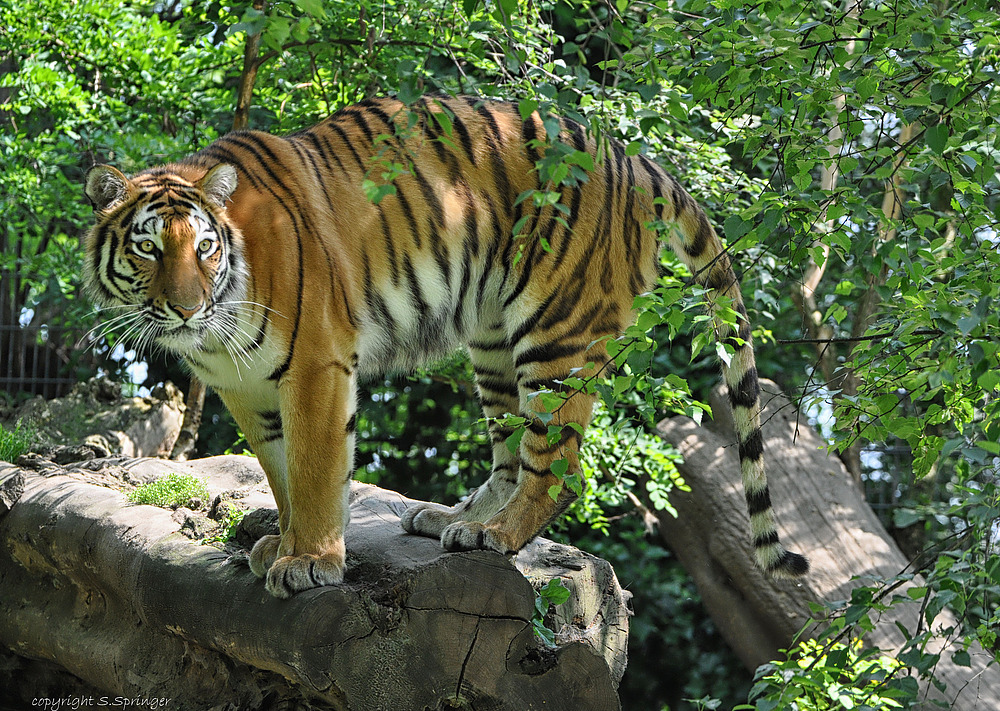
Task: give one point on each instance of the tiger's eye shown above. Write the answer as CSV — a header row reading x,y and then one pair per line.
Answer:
x,y
205,245
147,246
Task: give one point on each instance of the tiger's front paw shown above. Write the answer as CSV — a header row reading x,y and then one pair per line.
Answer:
x,y
291,574
426,519
263,555
472,535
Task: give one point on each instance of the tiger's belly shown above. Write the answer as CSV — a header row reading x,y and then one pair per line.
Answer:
x,y
405,326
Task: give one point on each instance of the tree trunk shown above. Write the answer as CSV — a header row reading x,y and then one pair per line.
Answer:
x,y
248,77
822,514
194,405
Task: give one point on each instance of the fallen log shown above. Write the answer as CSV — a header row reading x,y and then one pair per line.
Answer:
x,y
124,599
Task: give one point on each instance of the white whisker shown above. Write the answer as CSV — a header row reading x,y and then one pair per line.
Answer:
x,y
235,349
107,326
140,325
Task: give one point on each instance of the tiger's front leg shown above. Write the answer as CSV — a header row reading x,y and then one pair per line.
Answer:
x,y
317,401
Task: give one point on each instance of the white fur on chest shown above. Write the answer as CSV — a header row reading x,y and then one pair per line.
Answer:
x,y
239,363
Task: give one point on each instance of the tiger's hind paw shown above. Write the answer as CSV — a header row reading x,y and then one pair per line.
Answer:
x,y
291,574
472,535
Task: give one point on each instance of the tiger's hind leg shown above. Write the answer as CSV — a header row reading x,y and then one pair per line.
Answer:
x,y
531,507
493,364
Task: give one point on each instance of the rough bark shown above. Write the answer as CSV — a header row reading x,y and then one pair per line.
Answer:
x,y
123,598
821,514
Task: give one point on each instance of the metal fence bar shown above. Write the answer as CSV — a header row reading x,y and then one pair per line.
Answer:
x,y
28,363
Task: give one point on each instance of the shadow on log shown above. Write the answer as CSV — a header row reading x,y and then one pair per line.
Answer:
x,y
123,598
822,514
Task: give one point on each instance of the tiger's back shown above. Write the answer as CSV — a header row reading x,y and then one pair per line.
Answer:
x,y
424,267
339,287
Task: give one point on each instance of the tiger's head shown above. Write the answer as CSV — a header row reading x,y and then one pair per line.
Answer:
x,y
164,252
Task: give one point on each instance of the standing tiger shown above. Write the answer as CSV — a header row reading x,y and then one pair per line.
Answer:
x,y
262,262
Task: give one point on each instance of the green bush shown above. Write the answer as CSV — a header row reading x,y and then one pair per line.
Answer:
x,y
817,677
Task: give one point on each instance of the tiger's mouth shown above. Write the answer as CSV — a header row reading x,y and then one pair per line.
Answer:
x,y
183,338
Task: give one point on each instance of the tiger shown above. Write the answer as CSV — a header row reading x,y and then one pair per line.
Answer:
x,y
267,265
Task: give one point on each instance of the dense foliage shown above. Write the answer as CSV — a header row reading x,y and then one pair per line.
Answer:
x,y
848,152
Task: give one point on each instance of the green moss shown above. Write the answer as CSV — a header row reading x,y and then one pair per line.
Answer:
x,y
15,442
171,491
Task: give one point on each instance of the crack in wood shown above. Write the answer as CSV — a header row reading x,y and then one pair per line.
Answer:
x,y
465,663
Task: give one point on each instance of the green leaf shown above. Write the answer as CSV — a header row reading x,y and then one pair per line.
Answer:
x,y
724,353
582,159
865,87
277,32
409,88
509,7
844,288
519,225
312,7
903,518
514,440
936,137
989,380
647,320
835,212
252,23
991,447
967,324
375,192
554,592
526,107
543,633
735,227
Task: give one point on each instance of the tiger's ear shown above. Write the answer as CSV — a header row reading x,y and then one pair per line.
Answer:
x,y
106,186
219,183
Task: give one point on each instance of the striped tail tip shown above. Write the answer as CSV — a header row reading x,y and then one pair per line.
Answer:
x,y
770,556
780,564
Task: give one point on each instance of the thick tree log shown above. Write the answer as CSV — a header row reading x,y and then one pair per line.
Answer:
x,y
122,598
822,514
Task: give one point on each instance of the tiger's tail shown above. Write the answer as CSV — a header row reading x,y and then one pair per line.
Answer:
x,y
694,240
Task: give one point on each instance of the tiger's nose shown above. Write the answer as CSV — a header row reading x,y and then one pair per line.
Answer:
x,y
186,312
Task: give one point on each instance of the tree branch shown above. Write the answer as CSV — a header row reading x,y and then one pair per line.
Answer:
x,y
249,75
857,339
